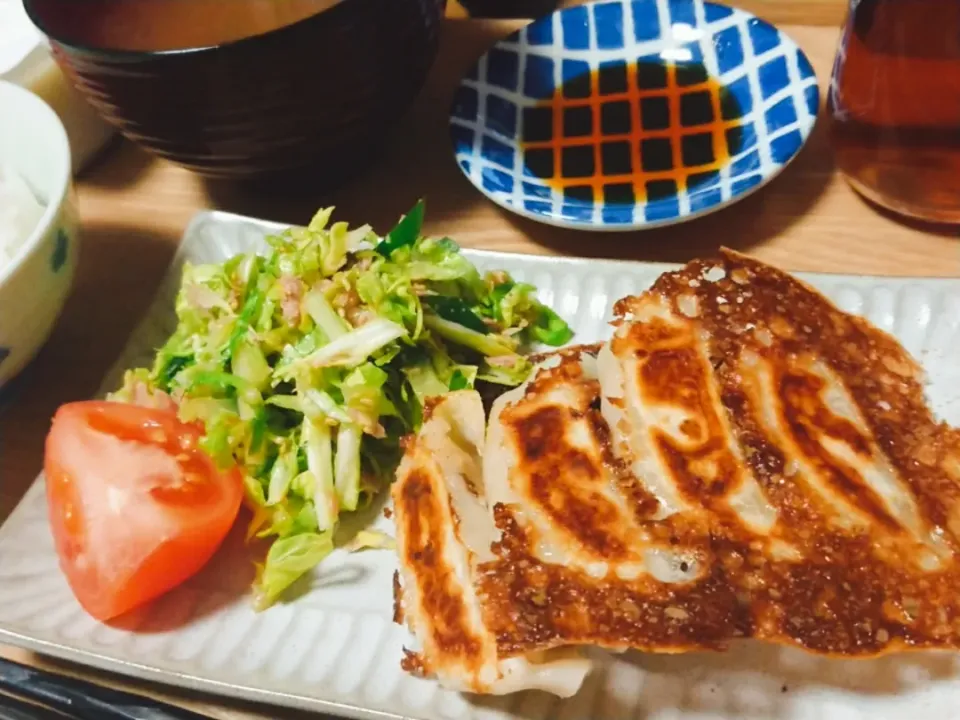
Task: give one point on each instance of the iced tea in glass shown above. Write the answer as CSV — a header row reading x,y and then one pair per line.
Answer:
x,y
895,105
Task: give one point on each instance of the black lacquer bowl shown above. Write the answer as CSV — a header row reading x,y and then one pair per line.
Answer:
x,y
321,93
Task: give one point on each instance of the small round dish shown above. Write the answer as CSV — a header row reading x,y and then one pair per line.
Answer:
x,y
628,114
35,283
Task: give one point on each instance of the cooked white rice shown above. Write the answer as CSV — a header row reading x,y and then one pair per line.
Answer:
x,y
20,213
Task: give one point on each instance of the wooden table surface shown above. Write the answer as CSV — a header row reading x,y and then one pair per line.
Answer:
x,y
134,209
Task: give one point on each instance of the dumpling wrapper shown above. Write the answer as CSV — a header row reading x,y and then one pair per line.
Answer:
x,y
445,531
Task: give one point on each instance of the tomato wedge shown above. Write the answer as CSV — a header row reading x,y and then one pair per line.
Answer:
x,y
135,505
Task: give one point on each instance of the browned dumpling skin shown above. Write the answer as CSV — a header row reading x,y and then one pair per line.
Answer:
x,y
741,460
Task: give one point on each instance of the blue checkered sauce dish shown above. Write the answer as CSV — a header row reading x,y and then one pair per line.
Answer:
x,y
627,114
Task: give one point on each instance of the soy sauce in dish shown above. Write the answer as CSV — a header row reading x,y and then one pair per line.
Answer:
x,y
154,25
630,132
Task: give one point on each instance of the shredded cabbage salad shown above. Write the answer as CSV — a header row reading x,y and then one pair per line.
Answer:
x,y
308,363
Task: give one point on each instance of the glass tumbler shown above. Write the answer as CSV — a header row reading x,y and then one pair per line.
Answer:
x,y
894,103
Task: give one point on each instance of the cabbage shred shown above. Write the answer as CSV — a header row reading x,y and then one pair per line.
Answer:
x,y
307,363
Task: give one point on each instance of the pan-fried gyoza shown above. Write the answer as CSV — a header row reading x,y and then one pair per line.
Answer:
x,y
742,459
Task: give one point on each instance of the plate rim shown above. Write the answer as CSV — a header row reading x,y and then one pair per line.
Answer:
x,y
201,216
637,225
189,681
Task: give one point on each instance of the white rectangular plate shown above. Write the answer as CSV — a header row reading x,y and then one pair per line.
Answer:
x,y
334,647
